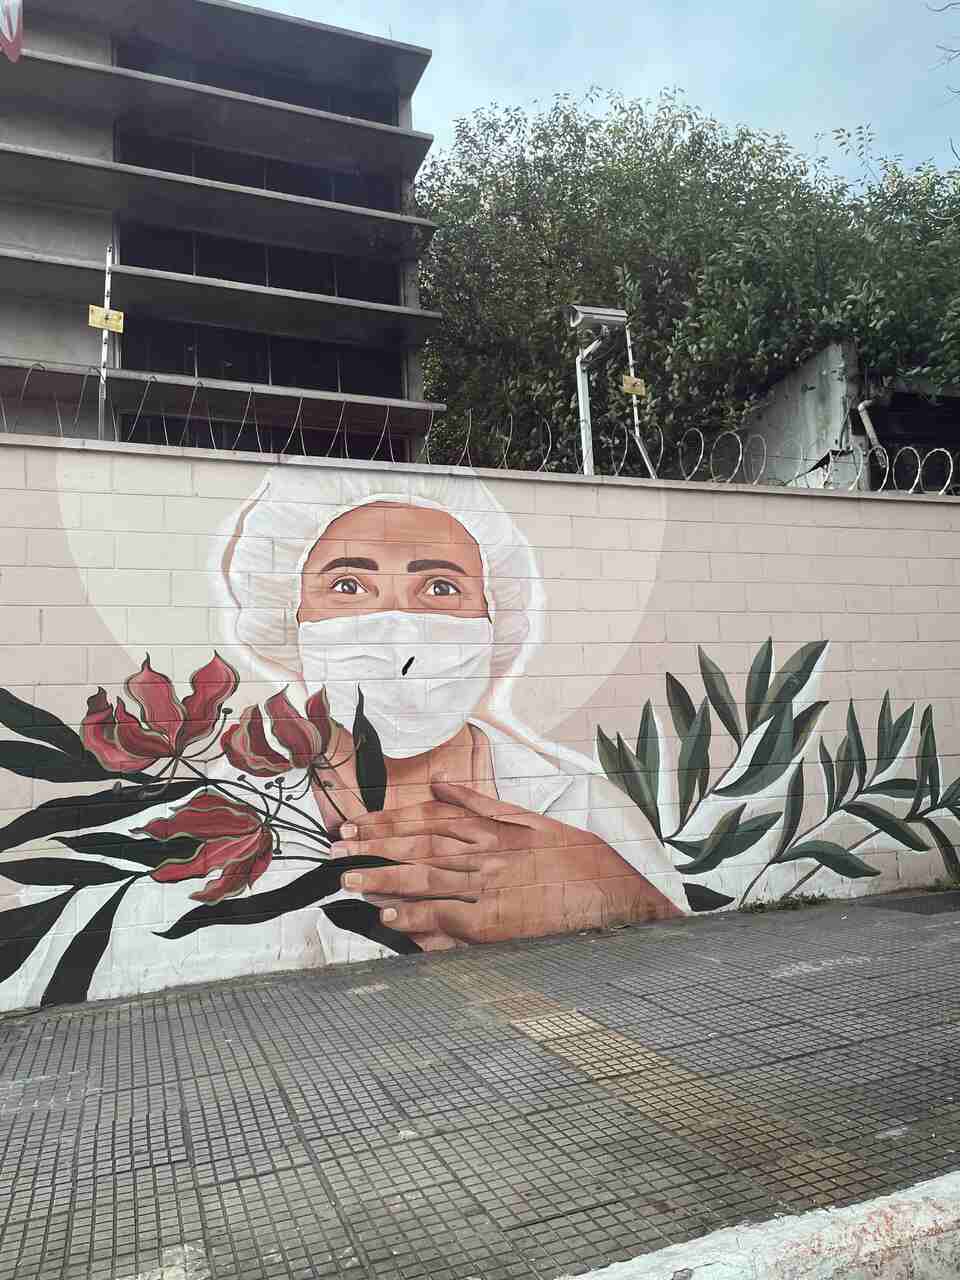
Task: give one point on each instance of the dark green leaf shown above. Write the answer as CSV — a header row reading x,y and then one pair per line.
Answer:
x,y
371,770
71,979
721,699
76,813
700,898
804,724
951,795
829,777
30,760
34,722
22,928
625,772
146,851
832,856
681,706
792,678
771,756
792,810
648,747
844,769
948,850
52,871
896,788
898,736
857,753
888,823
694,758
930,767
884,732
729,838
757,683
321,882
364,918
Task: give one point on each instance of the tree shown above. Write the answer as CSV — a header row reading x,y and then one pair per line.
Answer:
x,y
741,258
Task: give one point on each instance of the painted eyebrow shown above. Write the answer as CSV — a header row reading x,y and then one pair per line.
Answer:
x,y
351,562
417,566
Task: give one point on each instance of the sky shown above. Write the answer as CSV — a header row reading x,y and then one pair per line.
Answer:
x,y
803,68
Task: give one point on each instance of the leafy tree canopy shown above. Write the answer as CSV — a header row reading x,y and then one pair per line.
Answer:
x,y
736,256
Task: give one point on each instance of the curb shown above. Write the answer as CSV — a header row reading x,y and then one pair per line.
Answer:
x,y
911,1235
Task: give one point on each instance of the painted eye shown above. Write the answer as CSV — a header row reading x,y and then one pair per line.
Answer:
x,y
348,587
441,587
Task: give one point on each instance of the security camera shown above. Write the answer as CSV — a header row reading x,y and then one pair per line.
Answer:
x,y
596,319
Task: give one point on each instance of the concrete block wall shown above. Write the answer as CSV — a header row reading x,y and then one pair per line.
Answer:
x,y
599,590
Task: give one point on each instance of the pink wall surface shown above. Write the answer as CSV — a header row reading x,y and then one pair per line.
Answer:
x,y
503,705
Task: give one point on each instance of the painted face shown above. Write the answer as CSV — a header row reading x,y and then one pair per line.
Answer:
x,y
392,604
385,557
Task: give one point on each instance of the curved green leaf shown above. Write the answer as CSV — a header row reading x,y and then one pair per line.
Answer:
x,y
146,851
898,736
371,769
792,810
626,773
22,929
948,850
758,682
33,722
895,788
844,769
700,898
832,856
858,754
681,706
792,678
804,724
71,979
829,777
888,823
54,871
694,759
31,760
951,795
648,747
884,730
771,757
77,813
929,767
321,882
721,699
729,838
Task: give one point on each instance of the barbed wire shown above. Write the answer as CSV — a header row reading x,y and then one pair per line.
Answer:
x,y
724,458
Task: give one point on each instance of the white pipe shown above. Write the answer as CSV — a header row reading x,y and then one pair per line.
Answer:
x,y
863,408
583,398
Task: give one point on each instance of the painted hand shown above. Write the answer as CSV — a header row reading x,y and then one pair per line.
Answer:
x,y
480,870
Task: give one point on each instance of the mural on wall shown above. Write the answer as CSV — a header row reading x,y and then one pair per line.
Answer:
x,y
384,781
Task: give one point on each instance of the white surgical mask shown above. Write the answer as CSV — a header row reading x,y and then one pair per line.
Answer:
x,y
421,675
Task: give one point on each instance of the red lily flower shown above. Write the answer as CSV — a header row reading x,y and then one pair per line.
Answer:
x,y
233,839
166,726
305,738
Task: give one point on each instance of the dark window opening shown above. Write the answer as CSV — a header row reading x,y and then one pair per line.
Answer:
x,y
230,355
363,104
231,259
159,347
243,169
204,433
221,258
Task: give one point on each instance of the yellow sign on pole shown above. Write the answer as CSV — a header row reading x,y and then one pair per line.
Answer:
x,y
101,318
633,386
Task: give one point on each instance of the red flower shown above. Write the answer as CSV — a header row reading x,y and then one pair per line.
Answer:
x,y
166,726
233,839
305,738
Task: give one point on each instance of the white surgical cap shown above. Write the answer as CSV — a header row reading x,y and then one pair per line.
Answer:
x,y
278,528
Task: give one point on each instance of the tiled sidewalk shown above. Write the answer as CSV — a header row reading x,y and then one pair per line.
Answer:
x,y
523,1111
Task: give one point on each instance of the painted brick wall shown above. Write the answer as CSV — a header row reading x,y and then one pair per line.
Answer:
x,y
601,593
